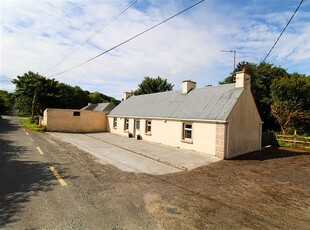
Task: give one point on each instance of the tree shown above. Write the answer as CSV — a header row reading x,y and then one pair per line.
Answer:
x,y
262,76
6,101
38,89
97,97
23,104
34,93
153,85
290,102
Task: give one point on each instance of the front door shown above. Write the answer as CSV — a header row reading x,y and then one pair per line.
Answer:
x,y
137,127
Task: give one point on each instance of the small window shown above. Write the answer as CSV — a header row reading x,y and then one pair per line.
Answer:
x,y
76,114
187,131
148,126
115,122
126,124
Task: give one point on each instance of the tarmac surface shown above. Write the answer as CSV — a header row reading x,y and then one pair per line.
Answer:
x,y
131,155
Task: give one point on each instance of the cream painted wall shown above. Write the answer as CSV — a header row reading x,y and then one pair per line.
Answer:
x,y
62,120
244,126
169,132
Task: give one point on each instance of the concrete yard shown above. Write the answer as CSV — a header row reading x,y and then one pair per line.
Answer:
x,y
131,155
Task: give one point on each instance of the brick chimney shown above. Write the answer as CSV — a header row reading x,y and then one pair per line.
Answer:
x,y
243,80
127,95
187,86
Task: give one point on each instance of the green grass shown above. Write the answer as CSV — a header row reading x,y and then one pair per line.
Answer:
x,y
26,122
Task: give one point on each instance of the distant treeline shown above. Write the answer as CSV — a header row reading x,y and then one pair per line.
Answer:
x,y
34,93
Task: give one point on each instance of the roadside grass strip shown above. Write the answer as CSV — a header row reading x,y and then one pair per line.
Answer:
x,y
40,151
58,177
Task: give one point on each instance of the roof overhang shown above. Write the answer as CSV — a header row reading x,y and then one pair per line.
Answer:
x,y
172,119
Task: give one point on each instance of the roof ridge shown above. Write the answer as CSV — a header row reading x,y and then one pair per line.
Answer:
x,y
202,88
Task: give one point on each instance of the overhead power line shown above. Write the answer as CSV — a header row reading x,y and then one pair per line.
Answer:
x,y
96,32
283,30
128,40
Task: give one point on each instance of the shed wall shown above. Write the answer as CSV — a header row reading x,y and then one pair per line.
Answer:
x,y
63,120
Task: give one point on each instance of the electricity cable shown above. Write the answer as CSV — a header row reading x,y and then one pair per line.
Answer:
x,y
283,30
128,40
129,5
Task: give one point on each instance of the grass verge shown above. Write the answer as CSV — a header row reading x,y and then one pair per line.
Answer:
x,y
26,122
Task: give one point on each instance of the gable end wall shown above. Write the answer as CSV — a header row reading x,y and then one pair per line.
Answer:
x,y
244,126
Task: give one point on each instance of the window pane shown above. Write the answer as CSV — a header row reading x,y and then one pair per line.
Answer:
x,y
188,134
115,122
75,113
187,131
148,126
126,124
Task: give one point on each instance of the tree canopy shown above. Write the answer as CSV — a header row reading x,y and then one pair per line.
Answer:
x,y
153,85
262,76
271,86
36,88
290,102
6,102
34,93
97,97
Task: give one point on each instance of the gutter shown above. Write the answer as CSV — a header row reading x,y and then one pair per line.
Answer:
x,y
172,119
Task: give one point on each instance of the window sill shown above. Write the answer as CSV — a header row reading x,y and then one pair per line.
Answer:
x,y
187,141
148,134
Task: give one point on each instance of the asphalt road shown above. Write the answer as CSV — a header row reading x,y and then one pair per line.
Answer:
x,y
45,185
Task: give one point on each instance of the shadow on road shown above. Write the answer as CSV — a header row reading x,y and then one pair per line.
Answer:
x,y
21,176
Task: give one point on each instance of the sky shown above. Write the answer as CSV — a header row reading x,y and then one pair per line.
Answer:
x,y
37,34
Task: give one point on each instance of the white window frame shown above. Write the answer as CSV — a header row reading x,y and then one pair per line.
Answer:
x,y
126,124
148,124
188,130
114,122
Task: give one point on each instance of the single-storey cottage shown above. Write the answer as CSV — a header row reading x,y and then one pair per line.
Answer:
x,y
221,120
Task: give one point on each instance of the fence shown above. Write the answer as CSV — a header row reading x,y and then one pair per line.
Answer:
x,y
294,141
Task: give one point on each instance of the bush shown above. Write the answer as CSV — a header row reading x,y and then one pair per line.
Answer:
x,y
29,124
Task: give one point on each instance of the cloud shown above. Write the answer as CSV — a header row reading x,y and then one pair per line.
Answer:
x,y
38,34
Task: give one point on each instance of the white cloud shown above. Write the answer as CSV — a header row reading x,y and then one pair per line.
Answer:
x,y
38,34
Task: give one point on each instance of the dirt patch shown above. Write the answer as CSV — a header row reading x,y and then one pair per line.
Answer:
x,y
269,189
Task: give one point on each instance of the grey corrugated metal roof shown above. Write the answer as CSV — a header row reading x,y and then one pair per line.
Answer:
x,y
100,107
209,103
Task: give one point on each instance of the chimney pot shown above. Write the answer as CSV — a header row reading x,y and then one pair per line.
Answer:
x,y
243,80
127,95
187,86
243,69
